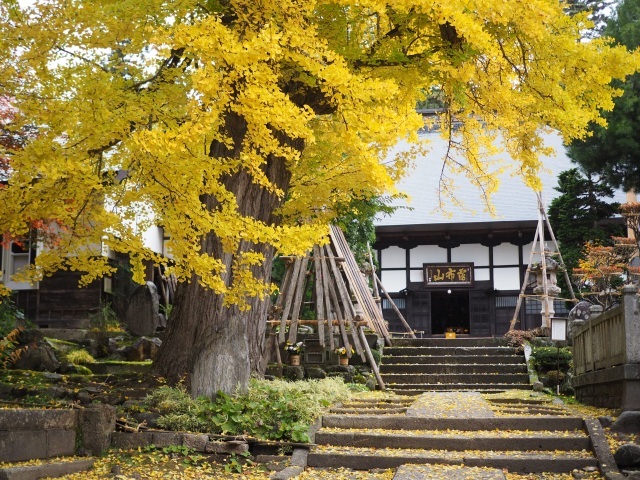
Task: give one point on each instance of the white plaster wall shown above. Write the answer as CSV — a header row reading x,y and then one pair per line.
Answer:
x,y
427,254
481,274
416,275
153,239
394,280
506,279
393,257
526,252
473,252
505,254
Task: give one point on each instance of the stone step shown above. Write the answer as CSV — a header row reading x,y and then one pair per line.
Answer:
x,y
515,462
47,469
392,379
368,411
385,422
518,401
448,359
417,389
449,342
532,410
366,405
378,401
447,350
456,368
441,440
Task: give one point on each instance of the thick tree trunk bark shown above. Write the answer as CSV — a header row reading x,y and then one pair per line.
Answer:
x,y
217,347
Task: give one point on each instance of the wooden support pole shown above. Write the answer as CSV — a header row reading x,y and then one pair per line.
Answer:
x,y
524,283
328,298
317,283
376,293
289,293
372,361
297,302
277,347
341,295
395,308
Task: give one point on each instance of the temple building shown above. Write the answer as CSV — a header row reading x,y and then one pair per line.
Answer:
x,y
463,270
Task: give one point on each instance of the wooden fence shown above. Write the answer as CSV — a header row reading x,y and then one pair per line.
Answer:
x,y
600,343
606,355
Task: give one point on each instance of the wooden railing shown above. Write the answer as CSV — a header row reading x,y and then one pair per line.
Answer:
x,y
608,340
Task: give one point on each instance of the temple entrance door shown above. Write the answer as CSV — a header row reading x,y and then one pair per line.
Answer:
x,y
449,310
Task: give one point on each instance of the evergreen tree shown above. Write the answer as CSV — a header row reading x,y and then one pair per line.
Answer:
x,y
614,152
576,215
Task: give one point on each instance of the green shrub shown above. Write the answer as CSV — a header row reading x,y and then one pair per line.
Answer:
x,y
556,376
80,357
105,319
273,410
377,355
82,370
167,399
10,316
548,358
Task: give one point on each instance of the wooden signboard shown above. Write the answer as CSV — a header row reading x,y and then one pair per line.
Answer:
x,y
448,274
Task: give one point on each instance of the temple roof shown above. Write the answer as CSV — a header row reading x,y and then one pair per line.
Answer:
x,y
513,202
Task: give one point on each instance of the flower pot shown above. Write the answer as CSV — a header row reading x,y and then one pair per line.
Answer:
x,y
294,360
344,360
449,334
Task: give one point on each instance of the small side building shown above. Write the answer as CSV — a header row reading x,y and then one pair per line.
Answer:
x,y
57,301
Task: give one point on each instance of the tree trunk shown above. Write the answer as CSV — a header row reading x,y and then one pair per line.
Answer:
x,y
217,347
213,347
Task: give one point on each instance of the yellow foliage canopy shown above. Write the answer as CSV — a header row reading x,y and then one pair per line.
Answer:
x,y
324,87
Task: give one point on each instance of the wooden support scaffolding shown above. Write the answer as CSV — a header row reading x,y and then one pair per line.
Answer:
x,y
332,277
538,247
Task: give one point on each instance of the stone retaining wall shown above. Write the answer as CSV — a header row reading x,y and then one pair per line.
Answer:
x,y
27,434
615,387
30,434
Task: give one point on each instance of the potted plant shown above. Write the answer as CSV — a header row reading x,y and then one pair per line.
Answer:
x,y
342,353
294,350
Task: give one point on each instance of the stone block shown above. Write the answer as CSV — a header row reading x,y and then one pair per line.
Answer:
x,y
30,419
61,443
627,455
312,371
226,447
287,473
128,440
97,422
416,472
293,372
40,358
605,421
195,441
49,470
142,311
166,439
299,457
627,422
18,446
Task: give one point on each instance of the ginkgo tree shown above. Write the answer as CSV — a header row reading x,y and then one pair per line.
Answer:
x,y
243,126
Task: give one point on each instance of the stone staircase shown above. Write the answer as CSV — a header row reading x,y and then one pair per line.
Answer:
x,y
413,366
443,429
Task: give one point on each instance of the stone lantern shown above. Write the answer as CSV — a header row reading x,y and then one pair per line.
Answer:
x,y
552,289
